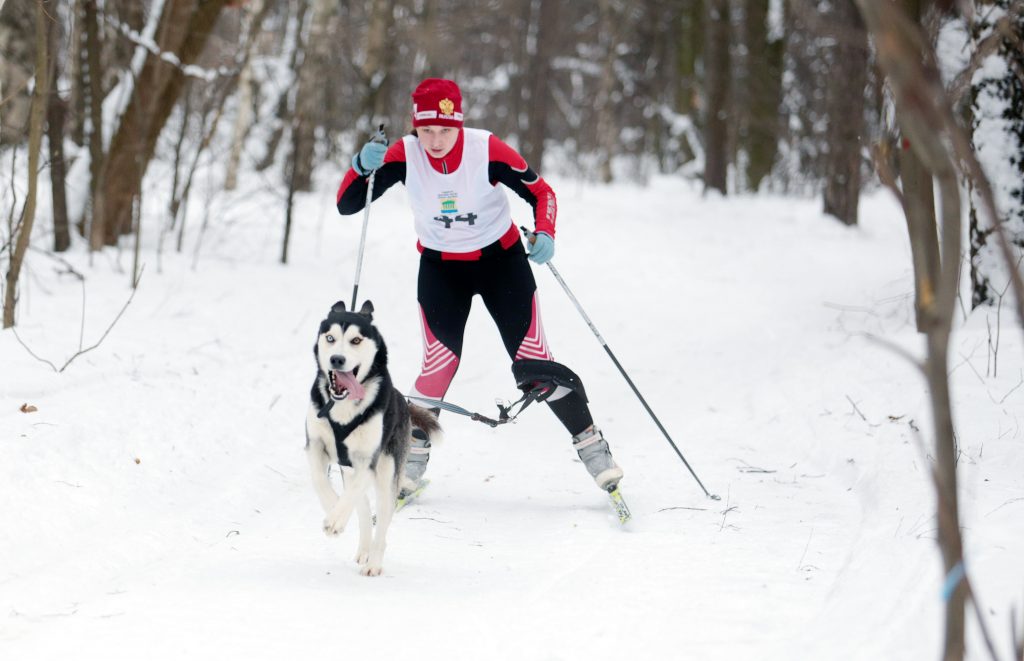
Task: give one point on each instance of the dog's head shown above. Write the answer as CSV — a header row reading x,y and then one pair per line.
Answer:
x,y
347,349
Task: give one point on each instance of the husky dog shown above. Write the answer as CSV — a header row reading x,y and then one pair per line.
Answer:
x,y
358,419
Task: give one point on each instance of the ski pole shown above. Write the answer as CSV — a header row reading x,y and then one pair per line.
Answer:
x,y
378,137
597,334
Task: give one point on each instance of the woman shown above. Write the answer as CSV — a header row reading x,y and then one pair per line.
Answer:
x,y
469,246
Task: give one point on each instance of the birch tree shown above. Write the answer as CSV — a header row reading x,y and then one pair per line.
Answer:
x,y
998,134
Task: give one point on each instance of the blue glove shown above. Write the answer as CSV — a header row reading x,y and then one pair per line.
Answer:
x,y
543,248
369,158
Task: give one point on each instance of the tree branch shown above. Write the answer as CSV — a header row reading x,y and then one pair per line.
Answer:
x,y
82,351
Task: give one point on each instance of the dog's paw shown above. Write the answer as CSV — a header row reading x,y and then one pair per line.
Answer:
x,y
371,570
333,527
362,557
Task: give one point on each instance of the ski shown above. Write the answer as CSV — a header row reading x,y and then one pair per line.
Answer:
x,y
619,505
411,496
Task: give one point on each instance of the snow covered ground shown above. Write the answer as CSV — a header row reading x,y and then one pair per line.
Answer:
x,y
157,503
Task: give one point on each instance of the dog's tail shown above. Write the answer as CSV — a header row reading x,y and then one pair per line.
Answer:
x,y
426,420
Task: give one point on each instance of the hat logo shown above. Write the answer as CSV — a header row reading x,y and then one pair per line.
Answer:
x,y
447,106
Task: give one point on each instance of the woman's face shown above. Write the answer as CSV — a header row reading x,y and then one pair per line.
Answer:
x,y
437,140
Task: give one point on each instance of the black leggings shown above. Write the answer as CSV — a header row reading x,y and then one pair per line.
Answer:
x,y
505,283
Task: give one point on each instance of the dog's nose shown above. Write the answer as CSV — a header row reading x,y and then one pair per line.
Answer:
x,y
337,362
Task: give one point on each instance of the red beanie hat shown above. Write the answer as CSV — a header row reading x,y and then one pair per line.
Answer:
x,y
437,102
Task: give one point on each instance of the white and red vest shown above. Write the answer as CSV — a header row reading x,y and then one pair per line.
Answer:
x,y
461,211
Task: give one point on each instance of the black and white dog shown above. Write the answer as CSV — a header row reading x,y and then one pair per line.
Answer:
x,y
358,419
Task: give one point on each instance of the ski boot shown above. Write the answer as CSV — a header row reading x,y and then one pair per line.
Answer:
x,y
415,463
596,456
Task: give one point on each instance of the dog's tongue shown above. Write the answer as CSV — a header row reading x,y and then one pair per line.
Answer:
x,y
348,381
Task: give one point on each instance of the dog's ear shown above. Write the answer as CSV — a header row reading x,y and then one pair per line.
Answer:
x,y
338,307
367,310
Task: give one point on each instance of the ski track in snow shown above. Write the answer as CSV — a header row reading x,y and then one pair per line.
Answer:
x,y
158,505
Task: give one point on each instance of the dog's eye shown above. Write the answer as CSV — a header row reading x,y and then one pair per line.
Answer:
x,y
356,340
330,339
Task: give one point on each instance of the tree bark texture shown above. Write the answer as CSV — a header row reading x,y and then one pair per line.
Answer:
x,y
919,208
17,62
94,94
244,103
846,113
1,89
537,78
690,48
55,113
309,97
764,79
997,126
77,59
183,30
380,59
607,126
35,139
717,82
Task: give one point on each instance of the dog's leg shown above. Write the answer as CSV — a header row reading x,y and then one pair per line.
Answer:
x,y
319,463
387,494
365,530
356,485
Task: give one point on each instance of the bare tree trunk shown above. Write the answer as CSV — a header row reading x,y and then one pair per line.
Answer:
x,y
97,162
845,113
174,206
243,118
243,122
690,45
764,64
208,130
607,127
997,126
537,80
1,87
183,30
309,95
919,208
297,119
129,13
55,111
288,210
717,81
76,56
520,24
283,111
35,139
426,46
376,69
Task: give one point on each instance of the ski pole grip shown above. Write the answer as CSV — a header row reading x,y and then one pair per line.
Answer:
x,y
379,137
530,236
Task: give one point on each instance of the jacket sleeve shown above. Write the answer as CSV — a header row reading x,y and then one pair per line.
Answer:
x,y
352,192
507,167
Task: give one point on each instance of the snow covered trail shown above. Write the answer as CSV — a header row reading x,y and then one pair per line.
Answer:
x,y
158,504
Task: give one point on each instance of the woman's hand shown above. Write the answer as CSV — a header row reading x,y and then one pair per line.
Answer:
x,y
369,158
542,248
